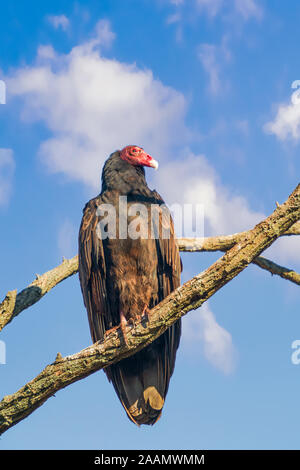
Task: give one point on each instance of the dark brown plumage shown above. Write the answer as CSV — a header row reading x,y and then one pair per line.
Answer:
x,y
128,276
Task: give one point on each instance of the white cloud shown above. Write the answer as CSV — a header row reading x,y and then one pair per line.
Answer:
x,y
286,123
46,52
248,9
213,59
174,18
93,106
212,7
192,180
104,36
200,329
59,21
7,169
285,251
207,56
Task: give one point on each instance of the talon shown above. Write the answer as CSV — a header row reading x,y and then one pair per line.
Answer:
x,y
137,319
145,313
140,318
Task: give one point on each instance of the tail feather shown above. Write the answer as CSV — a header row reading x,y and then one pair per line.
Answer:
x,y
141,381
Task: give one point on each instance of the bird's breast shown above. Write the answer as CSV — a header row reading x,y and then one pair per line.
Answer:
x,y
131,261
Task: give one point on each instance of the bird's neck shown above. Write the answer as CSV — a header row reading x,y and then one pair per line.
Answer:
x,y
122,176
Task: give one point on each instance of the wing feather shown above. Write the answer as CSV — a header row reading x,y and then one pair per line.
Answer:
x,y
141,381
92,272
168,271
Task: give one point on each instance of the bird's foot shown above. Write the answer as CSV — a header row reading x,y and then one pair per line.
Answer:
x,y
135,320
123,324
144,316
107,332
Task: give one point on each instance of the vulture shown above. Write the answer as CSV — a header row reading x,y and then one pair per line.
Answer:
x,y
124,273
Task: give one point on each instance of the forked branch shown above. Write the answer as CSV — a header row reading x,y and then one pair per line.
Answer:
x,y
189,296
14,303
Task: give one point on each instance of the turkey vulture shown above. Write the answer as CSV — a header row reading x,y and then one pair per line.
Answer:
x,y
121,277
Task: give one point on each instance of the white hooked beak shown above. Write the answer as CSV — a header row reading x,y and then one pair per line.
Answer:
x,y
154,164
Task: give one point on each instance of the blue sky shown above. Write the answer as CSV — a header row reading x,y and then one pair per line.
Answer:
x,y
204,87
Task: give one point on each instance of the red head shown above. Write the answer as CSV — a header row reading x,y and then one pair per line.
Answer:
x,y
137,156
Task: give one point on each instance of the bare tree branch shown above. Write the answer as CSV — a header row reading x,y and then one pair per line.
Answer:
x,y
192,245
222,242
274,268
189,296
13,304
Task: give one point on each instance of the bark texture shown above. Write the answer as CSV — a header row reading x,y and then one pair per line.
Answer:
x,y
189,296
14,303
